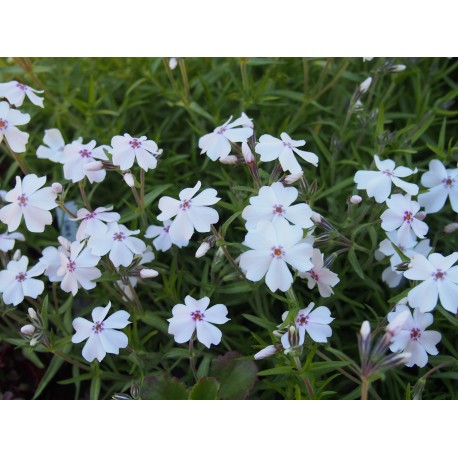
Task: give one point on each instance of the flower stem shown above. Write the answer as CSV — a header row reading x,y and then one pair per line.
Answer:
x,y
140,206
364,388
191,358
83,195
226,252
184,77
66,210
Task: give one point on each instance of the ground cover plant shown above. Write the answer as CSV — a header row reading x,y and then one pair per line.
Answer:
x,y
255,228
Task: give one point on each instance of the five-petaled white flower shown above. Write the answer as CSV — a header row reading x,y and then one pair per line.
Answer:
x,y
192,213
439,280
315,324
15,93
274,202
16,282
195,316
217,145
29,200
55,149
125,149
102,333
93,222
443,183
7,240
161,236
273,244
401,214
378,183
78,268
271,148
9,119
118,241
77,155
412,337
320,275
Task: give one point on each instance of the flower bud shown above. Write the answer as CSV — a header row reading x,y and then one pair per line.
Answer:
x,y
358,106
316,217
367,59
364,86
266,352
397,68
450,228
355,200
129,179
365,329
421,215
28,330
32,314
173,62
17,255
231,159
93,166
121,397
290,179
57,188
148,273
203,249
247,154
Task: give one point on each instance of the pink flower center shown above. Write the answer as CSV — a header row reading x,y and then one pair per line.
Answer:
x,y
166,229
22,200
415,334
277,252
84,153
197,315
314,275
185,204
135,143
287,144
439,275
119,236
21,276
221,130
278,210
71,265
90,215
3,124
388,172
448,182
21,86
98,327
302,319
408,216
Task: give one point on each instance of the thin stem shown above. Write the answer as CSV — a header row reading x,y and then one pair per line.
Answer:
x,y
184,76
70,360
142,187
364,388
191,358
140,206
226,252
67,210
305,67
83,195
243,70
342,371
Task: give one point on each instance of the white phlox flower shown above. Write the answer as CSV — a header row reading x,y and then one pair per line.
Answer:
x,y
93,222
50,259
117,241
192,213
401,216
126,149
9,119
15,93
16,282
217,145
194,315
28,200
102,333
412,337
77,155
378,183
7,240
273,245
390,275
271,148
439,280
442,183
54,151
162,240
315,324
78,268
320,275
274,202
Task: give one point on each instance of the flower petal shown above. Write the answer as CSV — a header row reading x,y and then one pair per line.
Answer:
x,y
278,276
424,295
94,349
113,340
217,314
118,320
83,329
208,334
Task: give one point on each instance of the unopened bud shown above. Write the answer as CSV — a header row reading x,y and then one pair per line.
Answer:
x,y
421,215
203,249
57,188
247,154
266,352
316,217
148,273
121,397
231,159
290,179
129,179
397,68
367,59
358,106
93,166
32,314
365,329
64,242
450,228
173,62
356,200
293,336
28,330
17,255
364,86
